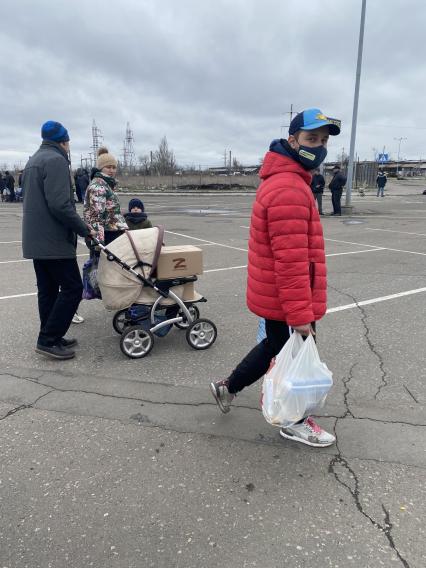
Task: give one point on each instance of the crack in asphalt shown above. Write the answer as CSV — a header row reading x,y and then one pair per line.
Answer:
x,y
346,382
23,406
121,397
33,379
262,439
387,529
367,337
340,460
354,491
411,394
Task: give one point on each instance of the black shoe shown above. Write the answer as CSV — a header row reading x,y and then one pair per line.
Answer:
x,y
55,351
68,342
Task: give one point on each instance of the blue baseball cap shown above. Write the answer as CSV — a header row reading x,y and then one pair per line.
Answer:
x,y
312,118
54,131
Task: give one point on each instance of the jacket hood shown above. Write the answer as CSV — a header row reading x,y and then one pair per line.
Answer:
x,y
274,163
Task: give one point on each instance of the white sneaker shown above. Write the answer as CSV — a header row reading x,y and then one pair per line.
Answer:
x,y
77,319
308,432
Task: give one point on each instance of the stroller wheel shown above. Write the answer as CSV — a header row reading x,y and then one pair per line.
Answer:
x,y
136,342
118,322
195,313
201,334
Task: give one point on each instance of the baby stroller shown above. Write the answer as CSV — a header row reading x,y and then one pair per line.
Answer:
x,y
147,306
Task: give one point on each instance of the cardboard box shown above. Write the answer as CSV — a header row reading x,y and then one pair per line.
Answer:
x,y
183,260
188,292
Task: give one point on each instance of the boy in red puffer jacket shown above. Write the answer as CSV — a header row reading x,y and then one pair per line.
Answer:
x,y
287,281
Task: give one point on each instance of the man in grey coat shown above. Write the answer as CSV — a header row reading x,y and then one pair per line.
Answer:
x,y
49,237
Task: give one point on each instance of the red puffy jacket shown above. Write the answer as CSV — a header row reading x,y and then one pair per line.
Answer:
x,y
286,262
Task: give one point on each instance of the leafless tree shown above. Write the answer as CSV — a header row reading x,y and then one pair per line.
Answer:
x,y
164,161
144,163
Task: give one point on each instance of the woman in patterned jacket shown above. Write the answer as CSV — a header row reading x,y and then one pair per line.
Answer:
x,y
102,209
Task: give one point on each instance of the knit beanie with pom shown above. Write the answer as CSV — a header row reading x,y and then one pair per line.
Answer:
x,y
105,159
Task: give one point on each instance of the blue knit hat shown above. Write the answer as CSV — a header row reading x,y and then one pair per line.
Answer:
x,y
135,202
54,131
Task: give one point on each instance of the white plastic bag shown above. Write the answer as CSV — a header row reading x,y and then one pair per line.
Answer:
x,y
297,384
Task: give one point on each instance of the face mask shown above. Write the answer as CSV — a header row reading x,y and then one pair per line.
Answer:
x,y
311,158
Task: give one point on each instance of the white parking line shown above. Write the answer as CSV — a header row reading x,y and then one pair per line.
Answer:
x,y
18,296
375,300
205,241
375,246
329,311
246,250
29,259
229,268
205,272
354,252
400,232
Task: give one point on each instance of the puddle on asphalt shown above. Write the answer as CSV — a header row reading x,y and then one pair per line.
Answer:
x,y
353,222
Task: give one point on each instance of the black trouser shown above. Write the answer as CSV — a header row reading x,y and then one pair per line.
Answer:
x,y
336,196
110,236
78,193
318,197
256,363
59,293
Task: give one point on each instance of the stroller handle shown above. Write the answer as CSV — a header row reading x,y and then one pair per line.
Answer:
x,y
114,258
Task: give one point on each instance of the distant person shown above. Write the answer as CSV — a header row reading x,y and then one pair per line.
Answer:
x,y
3,193
336,187
102,209
81,180
93,171
10,184
317,186
287,282
19,194
49,236
136,218
381,181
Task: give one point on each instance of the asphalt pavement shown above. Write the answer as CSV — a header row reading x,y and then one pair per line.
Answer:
x,y
113,462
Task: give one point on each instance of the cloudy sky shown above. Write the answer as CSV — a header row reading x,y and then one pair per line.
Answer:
x,y
210,75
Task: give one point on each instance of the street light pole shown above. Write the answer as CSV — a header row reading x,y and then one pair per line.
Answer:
x,y
399,153
355,107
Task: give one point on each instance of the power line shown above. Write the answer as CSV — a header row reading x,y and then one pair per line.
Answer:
x,y
128,149
290,112
96,139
